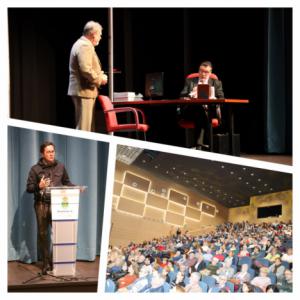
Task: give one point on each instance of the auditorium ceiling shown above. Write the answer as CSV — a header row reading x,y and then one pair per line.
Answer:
x,y
228,184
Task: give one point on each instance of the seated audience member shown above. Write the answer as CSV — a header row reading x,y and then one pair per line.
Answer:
x,y
182,260
277,268
221,284
116,274
193,286
205,247
146,267
129,278
177,256
272,255
226,270
262,281
157,283
140,284
200,264
242,276
178,289
255,253
184,270
244,252
191,261
272,289
219,255
267,246
198,115
286,284
213,266
208,256
164,262
115,266
179,280
247,288
230,256
288,256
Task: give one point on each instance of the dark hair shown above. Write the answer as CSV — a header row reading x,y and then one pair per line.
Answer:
x,y
206,64
249,286
273,287
46,144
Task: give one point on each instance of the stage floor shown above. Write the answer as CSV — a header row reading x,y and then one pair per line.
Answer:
x,y
86,279
274,158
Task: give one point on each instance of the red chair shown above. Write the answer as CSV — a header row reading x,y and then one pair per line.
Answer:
x,y
189,126
196,75
111,120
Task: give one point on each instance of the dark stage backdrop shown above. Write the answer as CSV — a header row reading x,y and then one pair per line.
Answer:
x,y
251,49
40,40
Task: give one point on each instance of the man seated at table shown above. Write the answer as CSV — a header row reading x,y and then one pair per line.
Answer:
x,y
199,114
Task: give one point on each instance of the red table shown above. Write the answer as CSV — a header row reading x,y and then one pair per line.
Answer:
x,y
187,101
181,102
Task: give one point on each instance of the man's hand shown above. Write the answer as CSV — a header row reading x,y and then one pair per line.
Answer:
x,y
193,93
44,183
82,189
104,79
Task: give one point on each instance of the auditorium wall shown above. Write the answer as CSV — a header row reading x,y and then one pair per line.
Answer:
x,y
249,213
141,212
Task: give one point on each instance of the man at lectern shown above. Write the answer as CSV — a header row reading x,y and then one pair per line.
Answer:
x,y
47,172
198,114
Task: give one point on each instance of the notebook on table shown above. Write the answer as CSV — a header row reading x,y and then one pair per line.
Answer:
x,y
203,91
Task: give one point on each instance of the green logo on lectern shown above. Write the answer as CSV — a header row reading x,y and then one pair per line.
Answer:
x,y
65,202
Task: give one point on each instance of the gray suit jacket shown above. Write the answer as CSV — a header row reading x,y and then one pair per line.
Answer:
x,y
85,70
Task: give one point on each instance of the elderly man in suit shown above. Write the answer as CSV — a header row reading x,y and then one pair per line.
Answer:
x,y
199,114
86,75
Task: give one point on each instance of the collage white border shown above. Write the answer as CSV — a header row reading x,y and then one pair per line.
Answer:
x,y
5,122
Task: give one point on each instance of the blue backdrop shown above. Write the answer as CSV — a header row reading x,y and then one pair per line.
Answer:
x,y
86,163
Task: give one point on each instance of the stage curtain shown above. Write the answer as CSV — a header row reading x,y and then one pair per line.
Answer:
x,y
86,163
279,81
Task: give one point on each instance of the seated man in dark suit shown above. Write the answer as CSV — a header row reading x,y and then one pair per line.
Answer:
x,y
198,114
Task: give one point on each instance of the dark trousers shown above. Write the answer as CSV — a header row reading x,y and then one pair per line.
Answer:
x,y
43,217
197,114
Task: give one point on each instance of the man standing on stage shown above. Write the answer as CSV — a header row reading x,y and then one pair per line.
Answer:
x,y
47,172
86,75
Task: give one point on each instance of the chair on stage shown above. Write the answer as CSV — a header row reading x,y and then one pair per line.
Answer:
x,y
196,75
189,126
112,124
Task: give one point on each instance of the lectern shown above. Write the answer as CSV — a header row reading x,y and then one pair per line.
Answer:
x,y
65,207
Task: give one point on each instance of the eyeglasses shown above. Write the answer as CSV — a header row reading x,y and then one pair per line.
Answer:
x,y
204,71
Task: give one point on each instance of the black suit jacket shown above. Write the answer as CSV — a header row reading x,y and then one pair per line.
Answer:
x,y
190,83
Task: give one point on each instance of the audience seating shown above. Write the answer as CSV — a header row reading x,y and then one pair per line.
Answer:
x,y
209,280
157,250
203,286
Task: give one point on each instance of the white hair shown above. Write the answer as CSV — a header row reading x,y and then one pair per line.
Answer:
x,y
91,27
